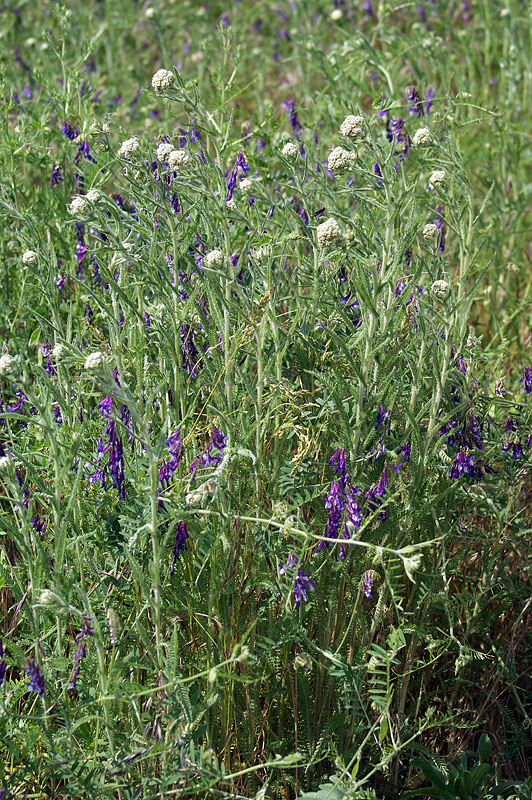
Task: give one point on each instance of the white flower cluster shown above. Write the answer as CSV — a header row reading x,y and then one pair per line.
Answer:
x,y
29,257
263,253
7,364
129,147
4,463
95,360
246,186
441,290
329,233
214,259
163,150
78,206
290,151
178,160
57,352
93,195
352,127
340,160
422,138
429,232
438,179
162,80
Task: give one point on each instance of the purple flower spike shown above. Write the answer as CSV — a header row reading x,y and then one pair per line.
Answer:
x,y
169,466
335,503
180,545
56,176
367,584
3,665
85,631
35,677
300,579
526,380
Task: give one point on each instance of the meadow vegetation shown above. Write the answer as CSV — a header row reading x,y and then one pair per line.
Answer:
x,y
265,420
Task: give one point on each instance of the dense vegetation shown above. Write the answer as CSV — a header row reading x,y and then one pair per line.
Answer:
x,y
265,421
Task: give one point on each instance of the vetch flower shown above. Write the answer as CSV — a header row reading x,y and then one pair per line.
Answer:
x,y
35,677
85,631
334,502
162,80
352,127
56,176
300,580
367,583
3,665
180,544
526,380
329,233
169,465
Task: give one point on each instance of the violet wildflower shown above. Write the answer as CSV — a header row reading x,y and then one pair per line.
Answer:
x,y
69,131
56,176
526,380
213,453
416,103
169,466
367,583
464,464
377,171
84,152
180,544
338,462
240,164
191,363
35,677
39,525
3,665
428,100
300,579
60,281
85,631
439,222
289,105
335,503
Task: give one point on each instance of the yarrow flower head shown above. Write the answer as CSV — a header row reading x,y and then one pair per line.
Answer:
x,y
301,581
290,151
441,290
352,127
95,360
340,160
329,233
163,150
93,195
7,364
438,179
128,147
162,80
429,232
214,259
422,138
78,206
178,160
29,257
